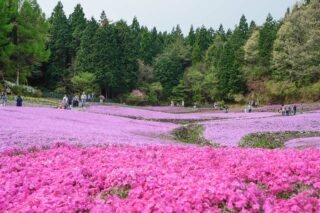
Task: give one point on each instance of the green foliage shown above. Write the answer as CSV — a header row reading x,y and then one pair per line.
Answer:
x,y
273,140
225,65
58,71
281,92
85,55
23,90
85,82
137,98
77,22
28,36
6,46
170,65
296,55
192,134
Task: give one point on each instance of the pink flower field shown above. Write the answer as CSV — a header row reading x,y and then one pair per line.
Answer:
x,y
230,132
27,127
100,160
303,142
160,179
150,114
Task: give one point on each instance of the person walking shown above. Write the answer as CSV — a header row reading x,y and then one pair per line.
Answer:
x,y
19,101
3,99
294,109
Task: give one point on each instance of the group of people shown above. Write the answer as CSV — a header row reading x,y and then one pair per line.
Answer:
x,y
76,101
288,110
4,100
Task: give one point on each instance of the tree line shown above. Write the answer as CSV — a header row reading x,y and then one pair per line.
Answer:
x,y
276,62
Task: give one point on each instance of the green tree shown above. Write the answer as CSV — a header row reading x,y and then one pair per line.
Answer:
x,y
85,56
58,71
296,50
170,65
29,35
85,81
5,42
78,24
267,36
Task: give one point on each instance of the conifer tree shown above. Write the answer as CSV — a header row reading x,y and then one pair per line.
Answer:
x,y
58,68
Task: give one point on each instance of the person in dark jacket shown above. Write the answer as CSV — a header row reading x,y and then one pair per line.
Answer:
x,y
19,101
294,110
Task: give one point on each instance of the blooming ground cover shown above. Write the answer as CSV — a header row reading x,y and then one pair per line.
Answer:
x,y
163,179
230,132
148,173
170,109
27,127
149,114
303,142
276,107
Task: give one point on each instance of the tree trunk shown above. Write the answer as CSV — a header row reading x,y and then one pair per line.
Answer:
x,y
18,76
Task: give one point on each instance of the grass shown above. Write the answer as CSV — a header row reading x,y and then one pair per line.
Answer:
x,y
121,192
273,140
192,134
41,101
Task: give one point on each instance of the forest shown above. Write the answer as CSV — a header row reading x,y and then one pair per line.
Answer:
x,y
277,62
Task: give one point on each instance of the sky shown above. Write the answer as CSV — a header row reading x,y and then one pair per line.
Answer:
x,y
165,14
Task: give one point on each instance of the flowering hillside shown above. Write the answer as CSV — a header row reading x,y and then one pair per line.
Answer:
x,y
160,179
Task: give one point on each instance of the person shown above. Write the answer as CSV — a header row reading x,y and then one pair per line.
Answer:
x,y
70,102
294,109
75,101
19,101
287,110
249,108
283,110
83,99
182,103
101,99
226,109
65,102
3,99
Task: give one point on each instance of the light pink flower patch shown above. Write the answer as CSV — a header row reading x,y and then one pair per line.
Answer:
x,y
230,132
27,127
148,114
160,179
304,142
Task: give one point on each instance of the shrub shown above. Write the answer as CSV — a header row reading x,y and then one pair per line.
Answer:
x,y
23,89
137,97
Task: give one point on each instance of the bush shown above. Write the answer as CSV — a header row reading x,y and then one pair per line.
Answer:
x,y
137,97
311,93
283,92
23,89
1,88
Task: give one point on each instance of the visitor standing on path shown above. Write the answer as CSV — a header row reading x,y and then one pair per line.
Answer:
x,y
3,99
294,109
19,101
83,99
65,102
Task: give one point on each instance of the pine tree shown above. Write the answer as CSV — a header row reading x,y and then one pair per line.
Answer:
x,y
267,36
5,42
170,65
58,68
77,22
191,38
297,47
29,35
85,56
